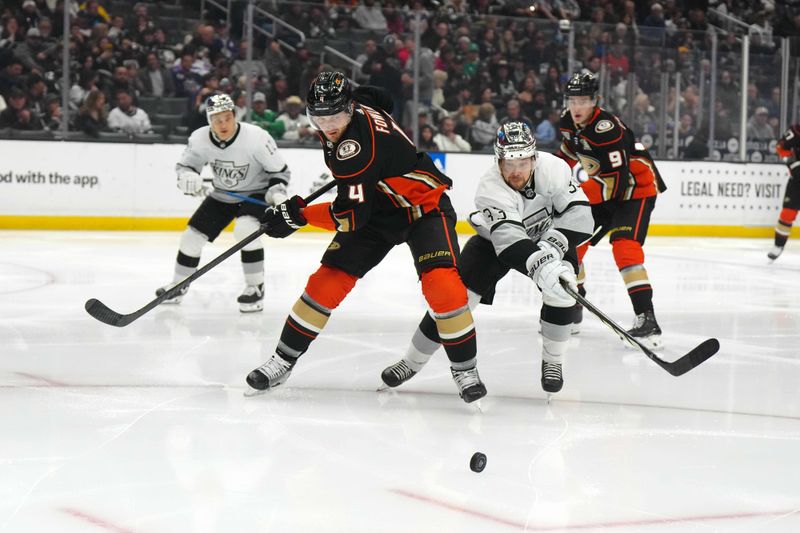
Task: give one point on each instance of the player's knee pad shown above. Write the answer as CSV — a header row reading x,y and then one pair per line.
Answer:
x,y
244,226
192,242
627,253
444,290
328,286
788,216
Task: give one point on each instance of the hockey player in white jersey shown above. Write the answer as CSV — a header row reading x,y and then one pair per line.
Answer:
x,y
244,160
530,218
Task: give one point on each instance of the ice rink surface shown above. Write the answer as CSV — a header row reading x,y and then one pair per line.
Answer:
x,y
145,428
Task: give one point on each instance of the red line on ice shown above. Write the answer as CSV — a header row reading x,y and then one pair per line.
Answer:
x,y
596,525
94,520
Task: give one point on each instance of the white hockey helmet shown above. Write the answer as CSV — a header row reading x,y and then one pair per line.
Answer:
x,y
514,140
218,103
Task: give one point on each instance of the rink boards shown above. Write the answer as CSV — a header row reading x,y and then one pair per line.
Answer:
x,y
114,186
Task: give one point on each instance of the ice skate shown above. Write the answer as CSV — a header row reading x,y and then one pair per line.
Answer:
x,y
174,299
552,378
252,299
396,374
269,375
645,330
470,386
774,253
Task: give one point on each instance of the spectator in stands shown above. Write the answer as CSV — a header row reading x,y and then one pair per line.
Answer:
x,y
207,43
17,115
265,118
653,26
12,34
52,112
121,81
395,23
370,16
279,92
93,13
644,119
185,81
758,127
155,79
686,133
87,82
37,91
514,114
426,142
91,118
439,83
547,130
447,140
502,84
28,51
484,127
319,25
117,29
383,74
297,17
126,117
274,58
11,77
296,125
239,68
29,17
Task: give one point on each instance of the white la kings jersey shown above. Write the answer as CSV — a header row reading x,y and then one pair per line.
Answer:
x,y
506,217
247,163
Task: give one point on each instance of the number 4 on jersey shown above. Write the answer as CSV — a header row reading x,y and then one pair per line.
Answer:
x,y
356,192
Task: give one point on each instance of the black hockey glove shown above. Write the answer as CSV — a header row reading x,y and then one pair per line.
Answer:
x,y
285,218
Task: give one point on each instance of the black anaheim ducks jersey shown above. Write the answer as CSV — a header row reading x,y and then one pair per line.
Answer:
x,y
789,143
619,167
381,178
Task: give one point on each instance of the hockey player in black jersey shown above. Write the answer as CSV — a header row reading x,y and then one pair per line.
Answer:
x,y
788,147
387,194
621,181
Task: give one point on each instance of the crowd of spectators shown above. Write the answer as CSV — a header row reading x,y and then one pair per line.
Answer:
x,y
481,63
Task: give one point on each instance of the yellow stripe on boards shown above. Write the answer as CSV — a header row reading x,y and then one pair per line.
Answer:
x,y
73,223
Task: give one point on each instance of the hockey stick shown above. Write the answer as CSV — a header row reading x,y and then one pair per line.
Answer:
x,y
104,314
695,357
246,199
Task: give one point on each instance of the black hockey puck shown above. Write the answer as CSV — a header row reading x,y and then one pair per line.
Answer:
x,y
478,462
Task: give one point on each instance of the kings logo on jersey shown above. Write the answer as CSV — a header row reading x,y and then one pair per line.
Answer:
x,y
228,173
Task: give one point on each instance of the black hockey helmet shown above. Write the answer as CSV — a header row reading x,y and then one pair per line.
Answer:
x,y
582,84
330,93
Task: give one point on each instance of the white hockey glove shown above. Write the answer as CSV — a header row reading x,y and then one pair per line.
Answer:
x,y
276,194
579,175
190,183
546,269
554,240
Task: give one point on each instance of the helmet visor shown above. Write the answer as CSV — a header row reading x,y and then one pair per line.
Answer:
x,y
336,121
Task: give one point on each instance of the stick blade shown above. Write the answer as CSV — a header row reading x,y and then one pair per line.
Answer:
x,y
700,354
104,314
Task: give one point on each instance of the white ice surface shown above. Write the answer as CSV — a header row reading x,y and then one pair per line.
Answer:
x,y
145,429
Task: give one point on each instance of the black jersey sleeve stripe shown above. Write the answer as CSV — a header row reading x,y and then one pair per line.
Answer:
x,y
512,222
570,206
516,255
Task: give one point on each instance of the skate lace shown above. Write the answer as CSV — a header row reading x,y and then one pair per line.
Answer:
x,y
466,378
275,367
551,371
401,371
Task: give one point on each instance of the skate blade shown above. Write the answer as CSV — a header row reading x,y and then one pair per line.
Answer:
x,y
250,308
250,393
383,387
477,406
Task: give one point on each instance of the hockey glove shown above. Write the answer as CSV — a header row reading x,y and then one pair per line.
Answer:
x,y
285,218
276,194
546,269
555,241
190,183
